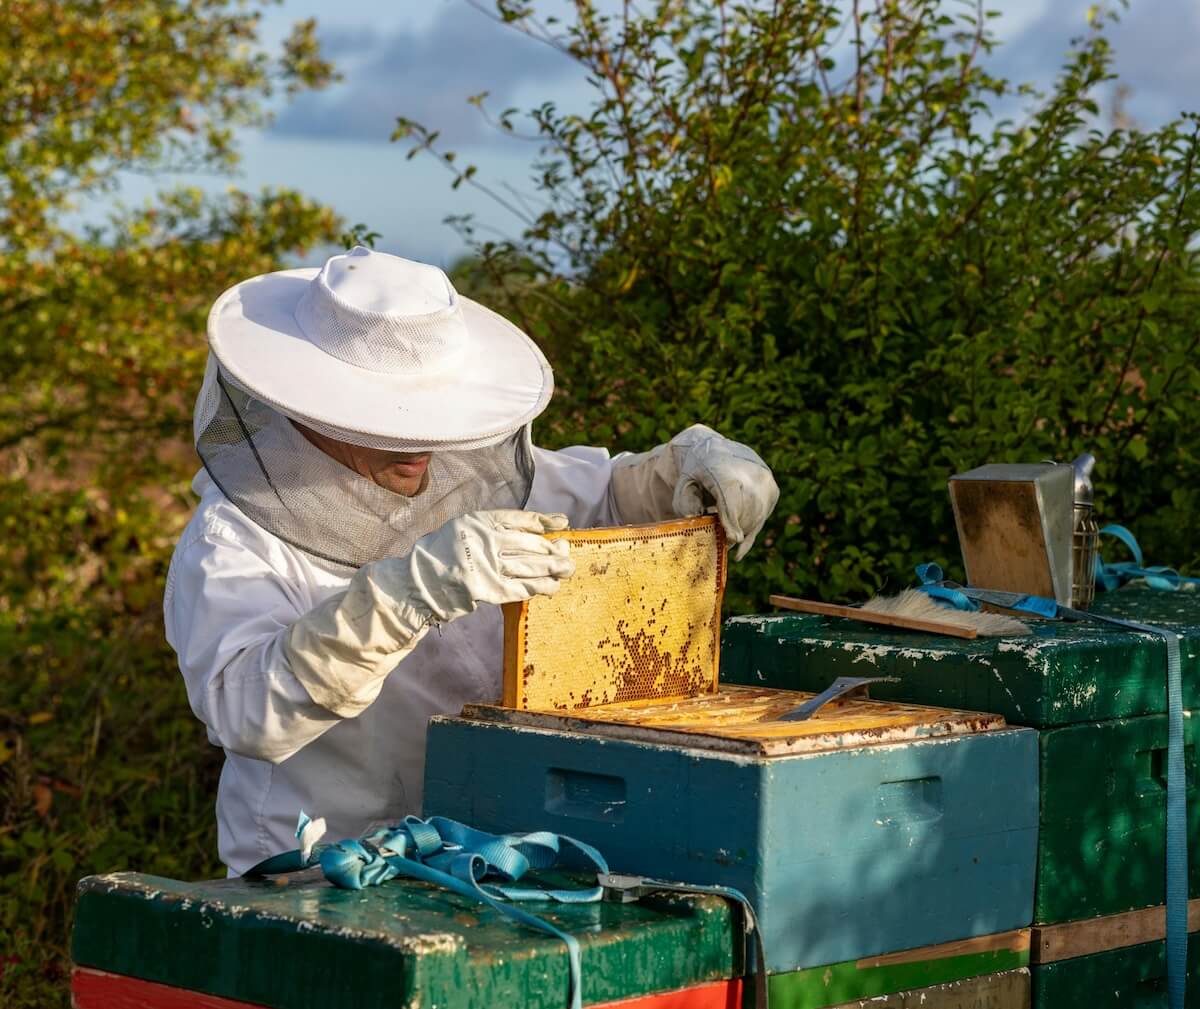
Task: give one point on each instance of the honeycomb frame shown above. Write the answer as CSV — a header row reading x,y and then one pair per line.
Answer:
x,y
635,653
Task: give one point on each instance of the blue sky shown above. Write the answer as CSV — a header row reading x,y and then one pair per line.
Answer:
x,y
424,58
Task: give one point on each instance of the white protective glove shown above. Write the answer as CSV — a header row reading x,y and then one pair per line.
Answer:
x,y
694,469
342,650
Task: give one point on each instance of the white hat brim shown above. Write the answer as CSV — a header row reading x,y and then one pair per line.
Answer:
x,y
500,384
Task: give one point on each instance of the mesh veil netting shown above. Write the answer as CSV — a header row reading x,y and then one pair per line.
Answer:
x,y
285,484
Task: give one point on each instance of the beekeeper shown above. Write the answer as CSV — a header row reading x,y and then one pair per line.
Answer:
x,y
370,492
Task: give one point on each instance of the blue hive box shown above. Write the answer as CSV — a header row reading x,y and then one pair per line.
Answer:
x,y
870,828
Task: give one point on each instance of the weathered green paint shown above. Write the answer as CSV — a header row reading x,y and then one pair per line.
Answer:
x,y
845,982
1130,978
1009,990
1101,848
299,943
1059,675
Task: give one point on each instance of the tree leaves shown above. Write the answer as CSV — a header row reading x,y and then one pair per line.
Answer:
x,y
847,264
102,348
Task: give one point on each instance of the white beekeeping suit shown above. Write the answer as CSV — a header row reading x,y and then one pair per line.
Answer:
x,y
320,618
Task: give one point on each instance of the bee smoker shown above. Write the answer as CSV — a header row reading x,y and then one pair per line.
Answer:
x,y
1085,535
1029,528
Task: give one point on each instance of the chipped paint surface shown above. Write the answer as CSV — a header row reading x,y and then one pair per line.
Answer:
x,y
1078,695
209,910
1061,674
402,945
756,620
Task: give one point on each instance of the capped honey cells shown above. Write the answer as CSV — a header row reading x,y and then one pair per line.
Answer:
x,y
640,620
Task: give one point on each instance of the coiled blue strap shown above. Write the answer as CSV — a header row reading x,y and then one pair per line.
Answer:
x,y
1113,576
458,858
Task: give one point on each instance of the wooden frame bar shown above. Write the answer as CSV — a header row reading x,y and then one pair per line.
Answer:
x,y
1112,931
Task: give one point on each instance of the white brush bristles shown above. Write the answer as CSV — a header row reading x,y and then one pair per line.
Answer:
x,y
922,606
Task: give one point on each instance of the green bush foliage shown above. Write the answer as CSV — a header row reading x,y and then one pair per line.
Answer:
x,y
102,765
836,253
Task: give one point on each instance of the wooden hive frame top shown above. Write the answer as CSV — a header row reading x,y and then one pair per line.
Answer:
x,y
640,620
745,720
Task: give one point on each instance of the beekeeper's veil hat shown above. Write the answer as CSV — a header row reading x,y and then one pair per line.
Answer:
x,y
376,351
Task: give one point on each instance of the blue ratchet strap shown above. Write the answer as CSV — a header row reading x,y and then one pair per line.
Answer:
x,y
1113,576
1176,853
933,584
963,598
457,857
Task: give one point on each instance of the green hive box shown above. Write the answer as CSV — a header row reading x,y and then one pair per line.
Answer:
x,y
298,943
1097,693
1131,978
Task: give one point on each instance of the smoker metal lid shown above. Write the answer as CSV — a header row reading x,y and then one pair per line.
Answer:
x,y
1018,472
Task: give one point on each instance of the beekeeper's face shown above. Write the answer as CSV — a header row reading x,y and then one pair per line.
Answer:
x,y
402,473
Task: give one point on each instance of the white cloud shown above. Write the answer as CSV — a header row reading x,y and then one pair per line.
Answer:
x,y
426,74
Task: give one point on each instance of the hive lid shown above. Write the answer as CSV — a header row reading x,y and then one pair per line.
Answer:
x,y
640,619
744,720
401,945
1062,674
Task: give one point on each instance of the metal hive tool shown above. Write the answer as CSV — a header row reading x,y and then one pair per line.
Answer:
x,y
640,620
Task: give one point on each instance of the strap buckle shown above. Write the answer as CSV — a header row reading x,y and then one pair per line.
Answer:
x,y
625,889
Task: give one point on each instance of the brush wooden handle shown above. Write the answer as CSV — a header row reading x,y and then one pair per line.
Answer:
x,y
868,617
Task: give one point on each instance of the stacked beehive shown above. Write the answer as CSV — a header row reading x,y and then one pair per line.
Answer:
x,y
885,847
1096,696
859,834
888,846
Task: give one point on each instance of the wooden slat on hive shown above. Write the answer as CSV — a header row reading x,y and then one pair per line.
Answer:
x,y
745,720
1017,941
1112,931
1009,990
922,968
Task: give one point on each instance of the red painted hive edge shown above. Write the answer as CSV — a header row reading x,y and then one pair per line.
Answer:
x,y
95,989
